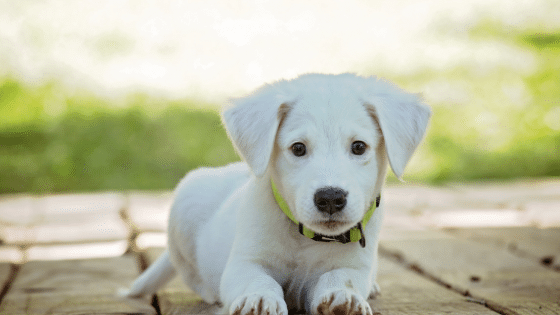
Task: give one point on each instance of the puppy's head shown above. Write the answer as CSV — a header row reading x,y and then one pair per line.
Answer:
x,y
325,140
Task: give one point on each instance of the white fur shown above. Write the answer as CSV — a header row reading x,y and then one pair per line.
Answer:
x,y
228,238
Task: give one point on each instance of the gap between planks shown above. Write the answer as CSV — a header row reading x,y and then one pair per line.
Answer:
x,y
73,286
8,273
490,275
401,260
403,292
519,241
143,264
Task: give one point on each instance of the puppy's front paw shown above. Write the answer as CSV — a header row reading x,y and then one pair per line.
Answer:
x,y
259,304
341,302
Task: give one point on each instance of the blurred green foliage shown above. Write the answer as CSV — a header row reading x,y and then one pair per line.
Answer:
x,y
90,145
507,125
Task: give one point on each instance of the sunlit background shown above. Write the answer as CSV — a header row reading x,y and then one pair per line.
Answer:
x,y
117,95
121,98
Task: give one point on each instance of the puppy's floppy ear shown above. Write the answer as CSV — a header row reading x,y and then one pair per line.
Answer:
x,y
403,119
252,123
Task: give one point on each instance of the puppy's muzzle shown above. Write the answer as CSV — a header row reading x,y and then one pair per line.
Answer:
x,y
330,200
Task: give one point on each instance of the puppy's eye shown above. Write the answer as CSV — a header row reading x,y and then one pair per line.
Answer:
x,y
358,147
298,149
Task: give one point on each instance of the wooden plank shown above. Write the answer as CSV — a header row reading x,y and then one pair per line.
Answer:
x,y
89,227
76,251
150,239
507,195
5,272
56,207
74,287
175,298
25,214
62,219
403,292
149,211
542,245
12,254
544,213
492,275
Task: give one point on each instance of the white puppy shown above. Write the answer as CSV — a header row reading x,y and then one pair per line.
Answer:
x,y
296,226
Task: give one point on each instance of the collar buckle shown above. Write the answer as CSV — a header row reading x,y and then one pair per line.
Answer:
x,y
343,238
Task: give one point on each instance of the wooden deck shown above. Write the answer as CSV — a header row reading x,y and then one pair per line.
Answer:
x,y
464,249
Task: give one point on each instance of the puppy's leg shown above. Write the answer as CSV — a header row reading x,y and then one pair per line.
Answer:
x,y
375,289
246,288
341,291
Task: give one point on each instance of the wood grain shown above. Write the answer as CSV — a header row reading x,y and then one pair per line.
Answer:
x,y
541,245
149,212
74,287
175,298
403,292
492,275
5,273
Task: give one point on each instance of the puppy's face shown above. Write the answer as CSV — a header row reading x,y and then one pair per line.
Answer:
x,y
327,159
327,140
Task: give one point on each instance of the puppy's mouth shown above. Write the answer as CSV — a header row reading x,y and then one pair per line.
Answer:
x,y
332,225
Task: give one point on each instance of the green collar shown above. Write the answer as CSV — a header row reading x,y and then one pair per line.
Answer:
x,y
355,234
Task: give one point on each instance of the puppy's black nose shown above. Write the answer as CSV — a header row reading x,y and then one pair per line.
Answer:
x,y
330,200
